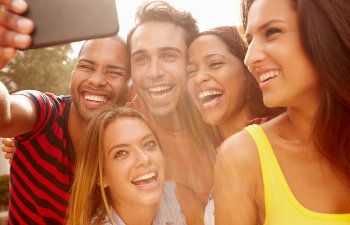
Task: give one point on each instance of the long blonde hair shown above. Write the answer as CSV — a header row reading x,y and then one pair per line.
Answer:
x,y
89,202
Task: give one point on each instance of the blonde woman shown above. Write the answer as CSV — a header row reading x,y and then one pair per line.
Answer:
x,y
119,178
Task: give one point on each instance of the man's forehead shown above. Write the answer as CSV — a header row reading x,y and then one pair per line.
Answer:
x,y
158,35
103,46
103,50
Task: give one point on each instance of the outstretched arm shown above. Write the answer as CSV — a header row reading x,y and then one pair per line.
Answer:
x,y
17,113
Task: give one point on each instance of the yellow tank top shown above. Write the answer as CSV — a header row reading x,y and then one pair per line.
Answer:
x,y
281,207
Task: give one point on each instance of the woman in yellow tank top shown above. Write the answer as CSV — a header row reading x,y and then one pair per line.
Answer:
x,y
294,169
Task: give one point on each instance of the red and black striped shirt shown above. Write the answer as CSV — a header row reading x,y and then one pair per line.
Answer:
x,y
43,164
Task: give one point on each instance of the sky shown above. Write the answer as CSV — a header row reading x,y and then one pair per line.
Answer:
x,y
208,13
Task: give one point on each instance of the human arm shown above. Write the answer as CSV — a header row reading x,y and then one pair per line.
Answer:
x,y
236,173
17,114
14,29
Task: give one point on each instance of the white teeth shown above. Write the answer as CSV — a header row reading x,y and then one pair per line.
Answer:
x,y
208,93
95,98
158,89
144,177
209,103
269,75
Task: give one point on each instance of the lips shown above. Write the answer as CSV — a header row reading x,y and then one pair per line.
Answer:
x,y
209,98
145,179
95,98
160,93
268,75
146,182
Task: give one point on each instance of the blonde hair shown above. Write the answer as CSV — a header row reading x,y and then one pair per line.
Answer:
x,y
89,202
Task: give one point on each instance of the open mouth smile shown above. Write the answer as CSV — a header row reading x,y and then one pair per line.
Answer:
x,y
209,98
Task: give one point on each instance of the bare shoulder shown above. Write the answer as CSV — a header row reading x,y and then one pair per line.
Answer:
x,y
237,176
240,152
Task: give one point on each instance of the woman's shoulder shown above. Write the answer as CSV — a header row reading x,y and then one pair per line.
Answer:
x,y
239,147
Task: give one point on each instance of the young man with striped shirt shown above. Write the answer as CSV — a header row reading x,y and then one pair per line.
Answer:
x,y
48,127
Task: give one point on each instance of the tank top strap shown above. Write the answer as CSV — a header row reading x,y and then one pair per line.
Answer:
x,y
268,167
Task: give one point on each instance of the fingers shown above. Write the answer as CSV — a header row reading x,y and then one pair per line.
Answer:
x,y
13,40
8,144
8,147
14,29
17,6
8,156
14,22
6,55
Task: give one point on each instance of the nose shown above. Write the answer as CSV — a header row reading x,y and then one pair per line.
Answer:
x,y
142,158
255,55
155,69
97,78
202,76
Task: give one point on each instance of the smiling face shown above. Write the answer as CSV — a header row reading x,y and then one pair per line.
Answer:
x,y
216,79
101,76
158,66
133,164
276,57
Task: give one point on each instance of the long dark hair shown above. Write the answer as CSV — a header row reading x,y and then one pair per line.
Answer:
x,y
325,35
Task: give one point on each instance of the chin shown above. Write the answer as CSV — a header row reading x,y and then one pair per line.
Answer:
x,y
211,119
162,111
152,199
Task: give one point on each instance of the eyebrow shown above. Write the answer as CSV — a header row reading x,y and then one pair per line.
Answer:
x,y
88,61
108,65
213,54
142,51
190,63
264,25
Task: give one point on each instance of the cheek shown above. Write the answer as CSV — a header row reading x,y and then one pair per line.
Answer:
x,y
115,174
158,158
190,87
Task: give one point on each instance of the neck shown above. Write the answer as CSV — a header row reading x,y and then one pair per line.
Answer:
x,y
300,118
145,213
300,124
75,125
235,122
175,121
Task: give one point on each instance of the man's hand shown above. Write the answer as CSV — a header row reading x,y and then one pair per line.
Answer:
x,y
14,29
8,148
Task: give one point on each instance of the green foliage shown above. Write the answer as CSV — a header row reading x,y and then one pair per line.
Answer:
x,y
46,69
4,189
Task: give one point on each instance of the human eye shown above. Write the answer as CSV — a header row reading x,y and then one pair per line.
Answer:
x,y
119,154
85,67
142,59
215,64
191,71
150,144
168,56
115,73
248,39
271,32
